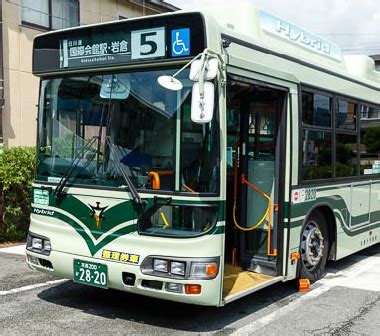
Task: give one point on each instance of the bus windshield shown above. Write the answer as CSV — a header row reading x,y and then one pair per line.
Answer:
x,y
135,122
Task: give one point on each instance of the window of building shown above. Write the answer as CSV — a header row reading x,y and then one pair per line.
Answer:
x,y
65,13
50,14
36,12
316,109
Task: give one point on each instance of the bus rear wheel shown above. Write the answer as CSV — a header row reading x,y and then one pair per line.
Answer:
x,y
314,247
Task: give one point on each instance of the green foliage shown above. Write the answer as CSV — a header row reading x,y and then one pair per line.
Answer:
x,y
371,139
16,176
64,146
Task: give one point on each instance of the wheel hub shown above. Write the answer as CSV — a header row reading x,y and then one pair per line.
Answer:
x,y
312,245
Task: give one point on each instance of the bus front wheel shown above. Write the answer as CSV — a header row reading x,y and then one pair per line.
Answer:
x,y
314,247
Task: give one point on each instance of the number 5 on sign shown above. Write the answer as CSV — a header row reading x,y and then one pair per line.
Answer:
x,y
148,43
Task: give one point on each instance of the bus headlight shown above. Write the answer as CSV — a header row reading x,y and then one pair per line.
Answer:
x,y
181,268
177,268
38,244
161,265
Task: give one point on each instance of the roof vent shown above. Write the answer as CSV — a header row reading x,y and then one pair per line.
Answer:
x,y
361,66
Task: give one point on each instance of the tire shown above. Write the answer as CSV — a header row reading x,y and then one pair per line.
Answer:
x,y
314,247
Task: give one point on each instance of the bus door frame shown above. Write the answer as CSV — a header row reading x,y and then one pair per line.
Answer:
x,y
282,161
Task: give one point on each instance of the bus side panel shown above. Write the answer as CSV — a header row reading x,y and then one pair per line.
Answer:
x,y
360,226
353,231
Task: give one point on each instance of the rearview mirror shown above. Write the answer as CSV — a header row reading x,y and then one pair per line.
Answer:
x,y
202,109
211,69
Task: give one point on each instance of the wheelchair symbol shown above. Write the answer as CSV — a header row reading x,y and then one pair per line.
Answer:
x,y
180,42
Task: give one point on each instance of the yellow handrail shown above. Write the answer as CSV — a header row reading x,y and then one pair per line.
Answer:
x,y
266,214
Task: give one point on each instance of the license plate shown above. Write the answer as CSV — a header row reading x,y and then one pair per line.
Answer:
x,y
90,273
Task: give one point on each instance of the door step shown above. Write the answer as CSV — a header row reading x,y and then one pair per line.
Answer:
x,y
263,265
238,282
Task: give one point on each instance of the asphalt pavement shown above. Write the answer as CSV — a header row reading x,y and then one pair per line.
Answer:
x,y
345,302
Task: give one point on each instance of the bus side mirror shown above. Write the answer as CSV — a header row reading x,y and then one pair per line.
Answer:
x,y
202,106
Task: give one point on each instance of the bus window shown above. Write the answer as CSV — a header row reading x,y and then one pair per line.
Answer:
x,y
369,148
317,155
178,220
147,126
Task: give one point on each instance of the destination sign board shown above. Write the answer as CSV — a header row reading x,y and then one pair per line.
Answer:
x,y
120,43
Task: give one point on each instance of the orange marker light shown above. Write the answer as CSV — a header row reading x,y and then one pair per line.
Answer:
x,y
192,289
294,256
212,269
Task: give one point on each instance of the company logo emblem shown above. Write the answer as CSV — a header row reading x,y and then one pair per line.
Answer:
x,y
97,213
180,42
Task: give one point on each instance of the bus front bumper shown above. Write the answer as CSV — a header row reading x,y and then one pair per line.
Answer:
x,y
61,264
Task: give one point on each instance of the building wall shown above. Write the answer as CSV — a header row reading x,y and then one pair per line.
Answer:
x,y
21,88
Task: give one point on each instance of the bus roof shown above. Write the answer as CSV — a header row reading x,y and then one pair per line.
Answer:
x,y
249,24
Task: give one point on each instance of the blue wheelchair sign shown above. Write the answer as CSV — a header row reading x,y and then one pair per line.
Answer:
x,y
180,42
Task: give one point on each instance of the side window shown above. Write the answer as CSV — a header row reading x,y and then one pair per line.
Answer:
x,y
369,112
369,141
316,109
316,136
317,155
346,155
330,146
345,114
346,138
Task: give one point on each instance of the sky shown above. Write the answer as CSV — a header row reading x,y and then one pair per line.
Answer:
x,y
353,24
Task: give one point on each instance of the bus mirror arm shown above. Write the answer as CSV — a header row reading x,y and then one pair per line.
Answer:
x,y
172,83
202,68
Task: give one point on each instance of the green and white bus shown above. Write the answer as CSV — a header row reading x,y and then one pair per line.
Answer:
x,y
201,156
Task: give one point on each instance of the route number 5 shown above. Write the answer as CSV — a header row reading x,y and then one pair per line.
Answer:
x,y
148,43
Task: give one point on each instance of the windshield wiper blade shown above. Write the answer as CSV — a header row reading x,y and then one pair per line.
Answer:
x,y
62,182
135,195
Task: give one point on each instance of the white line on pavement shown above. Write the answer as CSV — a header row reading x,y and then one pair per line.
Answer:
x,y
361,270
18,249
30,287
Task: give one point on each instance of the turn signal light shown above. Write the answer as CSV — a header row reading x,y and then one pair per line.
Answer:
x,y
212,270
192,289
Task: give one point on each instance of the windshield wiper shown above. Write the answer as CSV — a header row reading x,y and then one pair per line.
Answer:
x,y
135,195
62,182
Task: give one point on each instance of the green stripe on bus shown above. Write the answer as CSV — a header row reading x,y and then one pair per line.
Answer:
x,y
337,203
